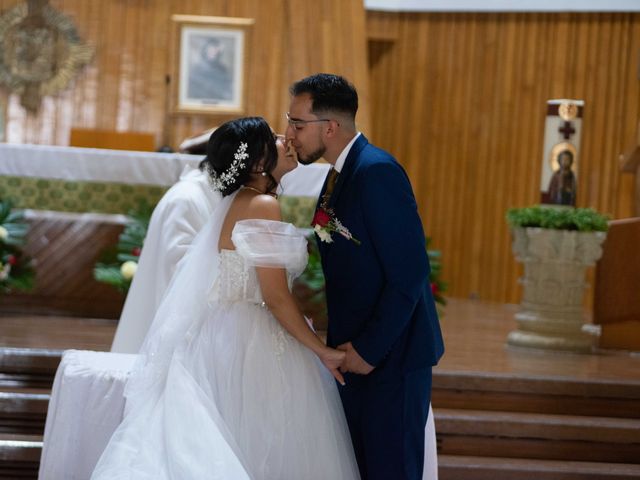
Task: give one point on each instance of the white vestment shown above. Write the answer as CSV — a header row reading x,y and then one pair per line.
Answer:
x,y
176,220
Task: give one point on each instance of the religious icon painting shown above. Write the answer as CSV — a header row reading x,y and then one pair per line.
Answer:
x,y
561,151
210,61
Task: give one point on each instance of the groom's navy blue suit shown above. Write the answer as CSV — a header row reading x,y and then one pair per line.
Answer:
x,y
379,298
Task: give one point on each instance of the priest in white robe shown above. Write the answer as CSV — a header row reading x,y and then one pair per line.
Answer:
x,y
176,220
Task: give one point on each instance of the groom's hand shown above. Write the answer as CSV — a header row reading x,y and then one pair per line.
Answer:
x,y
353,362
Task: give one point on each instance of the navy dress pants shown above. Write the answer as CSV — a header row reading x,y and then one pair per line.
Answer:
x,y
387,418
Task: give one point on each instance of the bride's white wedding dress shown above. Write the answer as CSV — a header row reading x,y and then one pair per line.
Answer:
x,y
221,390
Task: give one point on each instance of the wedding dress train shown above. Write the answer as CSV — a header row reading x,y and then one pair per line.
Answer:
x,y
221,390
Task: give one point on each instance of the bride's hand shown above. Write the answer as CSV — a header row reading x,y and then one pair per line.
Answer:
x,y
332,359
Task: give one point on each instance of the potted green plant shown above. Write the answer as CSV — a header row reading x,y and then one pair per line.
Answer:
x,y
555,245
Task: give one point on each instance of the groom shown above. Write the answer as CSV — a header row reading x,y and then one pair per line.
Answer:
x,y
381,310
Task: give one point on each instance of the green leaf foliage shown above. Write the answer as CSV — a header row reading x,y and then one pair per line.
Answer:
x,y
558,218
129,246
16,269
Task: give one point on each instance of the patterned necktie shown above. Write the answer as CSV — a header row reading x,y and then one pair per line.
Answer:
x,y
332,178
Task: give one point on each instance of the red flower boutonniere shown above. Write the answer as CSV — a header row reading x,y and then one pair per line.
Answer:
x,y
324,223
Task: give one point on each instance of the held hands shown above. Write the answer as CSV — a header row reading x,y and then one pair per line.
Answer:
x,y
353,362
332,359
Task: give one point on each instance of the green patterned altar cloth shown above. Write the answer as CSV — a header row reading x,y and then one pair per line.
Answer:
x,y
77,196
83,180
94,197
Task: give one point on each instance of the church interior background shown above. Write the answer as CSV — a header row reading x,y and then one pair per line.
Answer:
x,y
460,98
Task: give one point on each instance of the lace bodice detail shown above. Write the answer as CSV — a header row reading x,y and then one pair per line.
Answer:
x,y
237,281
259,243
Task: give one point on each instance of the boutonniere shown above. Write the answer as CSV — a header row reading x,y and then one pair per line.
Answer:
x,y
324,223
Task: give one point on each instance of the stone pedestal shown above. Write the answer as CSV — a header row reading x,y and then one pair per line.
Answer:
x,y
551,312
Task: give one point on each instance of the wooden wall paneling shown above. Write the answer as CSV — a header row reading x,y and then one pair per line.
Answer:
x,y
477,105
111,51
625,105
592,172
615,112
514,45
631,119
461,33
502,144
81,110
496,142
124,87
434,42
156,80
483,69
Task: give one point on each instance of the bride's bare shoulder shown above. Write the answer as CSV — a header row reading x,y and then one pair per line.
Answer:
x,y
264,207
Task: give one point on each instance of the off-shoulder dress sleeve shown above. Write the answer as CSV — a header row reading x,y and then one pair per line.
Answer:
x,y
269,243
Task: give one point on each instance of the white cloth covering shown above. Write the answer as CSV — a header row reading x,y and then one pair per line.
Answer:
x,y
121,166
85,408
176,220
93,164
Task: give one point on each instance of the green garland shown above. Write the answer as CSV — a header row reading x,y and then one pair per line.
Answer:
x,y
16,269
118,265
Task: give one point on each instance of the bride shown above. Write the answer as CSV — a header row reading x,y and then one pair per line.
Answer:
x,y
231,382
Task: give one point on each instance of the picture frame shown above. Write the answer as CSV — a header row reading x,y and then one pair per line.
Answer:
x,y
210,59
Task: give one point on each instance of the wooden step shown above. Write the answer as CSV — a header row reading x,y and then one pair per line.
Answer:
x,y
20,455
458,467
526,435
23,412
12,381
536,394
34,361
22,368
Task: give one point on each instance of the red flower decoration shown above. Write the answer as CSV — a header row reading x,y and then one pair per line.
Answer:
x,y
12,260
135,251
434,288
321,218
324,223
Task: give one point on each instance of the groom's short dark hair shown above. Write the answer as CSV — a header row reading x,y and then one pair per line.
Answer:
x,y
329,93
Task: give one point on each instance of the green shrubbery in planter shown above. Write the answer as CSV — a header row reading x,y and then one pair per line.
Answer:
x,y
558,218
555,245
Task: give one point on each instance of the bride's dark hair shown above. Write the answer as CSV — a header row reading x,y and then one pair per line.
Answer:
x,y
224,144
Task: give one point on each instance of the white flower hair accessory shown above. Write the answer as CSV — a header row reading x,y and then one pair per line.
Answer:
x,y
228,177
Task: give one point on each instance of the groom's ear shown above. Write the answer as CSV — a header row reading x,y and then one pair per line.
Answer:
x,y
332,127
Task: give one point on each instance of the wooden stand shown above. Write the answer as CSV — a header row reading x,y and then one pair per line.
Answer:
x,y
617,286
134,141
630,163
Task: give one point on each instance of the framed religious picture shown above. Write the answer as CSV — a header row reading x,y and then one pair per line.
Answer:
x,y
210,58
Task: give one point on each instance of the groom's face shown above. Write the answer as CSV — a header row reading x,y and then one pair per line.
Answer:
x,y
305,130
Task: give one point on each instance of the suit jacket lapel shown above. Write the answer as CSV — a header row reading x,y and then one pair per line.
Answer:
x,y
347,169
